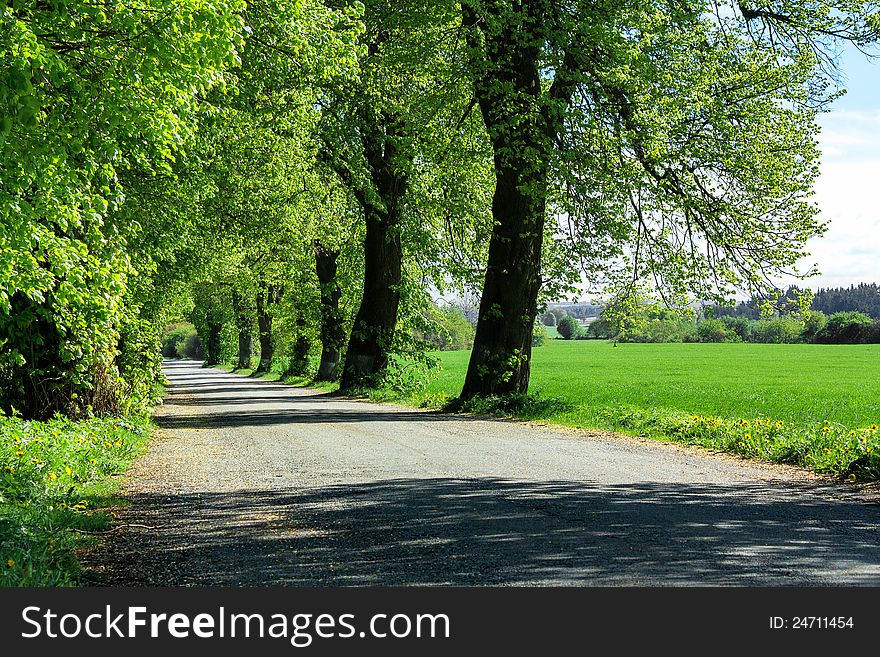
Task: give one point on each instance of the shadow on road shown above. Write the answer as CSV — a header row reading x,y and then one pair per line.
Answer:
x,y
241,416
213,400
497,531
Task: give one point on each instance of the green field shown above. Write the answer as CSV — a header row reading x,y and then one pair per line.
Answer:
x,y
812,405
799,383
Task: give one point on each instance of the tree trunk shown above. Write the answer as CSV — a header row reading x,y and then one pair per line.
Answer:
x,y
501,359
376,319
212,343
245,338
332,329
522,119
299,360
245,349
266,297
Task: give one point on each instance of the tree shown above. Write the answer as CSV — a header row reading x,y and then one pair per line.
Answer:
x,y
90,93
332,325
677,140
383,136
844,328
569,328
268,296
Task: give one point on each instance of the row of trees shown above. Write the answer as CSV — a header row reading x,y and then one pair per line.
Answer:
x,y
810,327
320,166
862,298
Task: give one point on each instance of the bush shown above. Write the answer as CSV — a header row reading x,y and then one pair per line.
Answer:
x,y
714,330
743,327
872,333
601,329
814,322
661,330
779,330
845,328
447,330
539,335
569,328
181,341
190,347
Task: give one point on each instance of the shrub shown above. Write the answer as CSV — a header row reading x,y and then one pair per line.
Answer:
x,y
569,328
872,333
743,327
447,330
190,346
845,328
661,330
174,339
601,329
779,330
539,335
714,330
814,322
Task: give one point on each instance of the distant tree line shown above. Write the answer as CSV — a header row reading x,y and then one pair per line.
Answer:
x,y
812,327
863,298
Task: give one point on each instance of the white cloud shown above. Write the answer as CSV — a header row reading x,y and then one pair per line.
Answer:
x,y
847,195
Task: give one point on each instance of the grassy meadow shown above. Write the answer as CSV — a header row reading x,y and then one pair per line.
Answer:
x,y
812,405
56,478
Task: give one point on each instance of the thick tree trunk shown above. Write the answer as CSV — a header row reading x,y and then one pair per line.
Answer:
x,y
245,338
299,360
266,297
245,349
212,343
376,320
332,329
522,119
501,359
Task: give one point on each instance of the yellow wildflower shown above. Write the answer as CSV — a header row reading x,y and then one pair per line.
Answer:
x,y
67,470
53,476
11,563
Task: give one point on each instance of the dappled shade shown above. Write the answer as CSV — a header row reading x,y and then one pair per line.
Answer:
x,y
497,531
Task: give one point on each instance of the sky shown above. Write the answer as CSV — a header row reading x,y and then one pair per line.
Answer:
x,y
848,188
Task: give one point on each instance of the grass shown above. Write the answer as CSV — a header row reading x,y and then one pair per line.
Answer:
x,y
803,383
56,477
817,406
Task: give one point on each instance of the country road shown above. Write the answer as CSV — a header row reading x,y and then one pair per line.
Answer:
x,y
254,483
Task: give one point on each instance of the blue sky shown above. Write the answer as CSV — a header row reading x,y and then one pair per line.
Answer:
x,y
848,189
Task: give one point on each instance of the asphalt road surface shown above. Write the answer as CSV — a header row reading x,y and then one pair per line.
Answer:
x,y
255,483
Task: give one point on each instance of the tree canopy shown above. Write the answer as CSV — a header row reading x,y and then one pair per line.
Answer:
x,y
301,178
